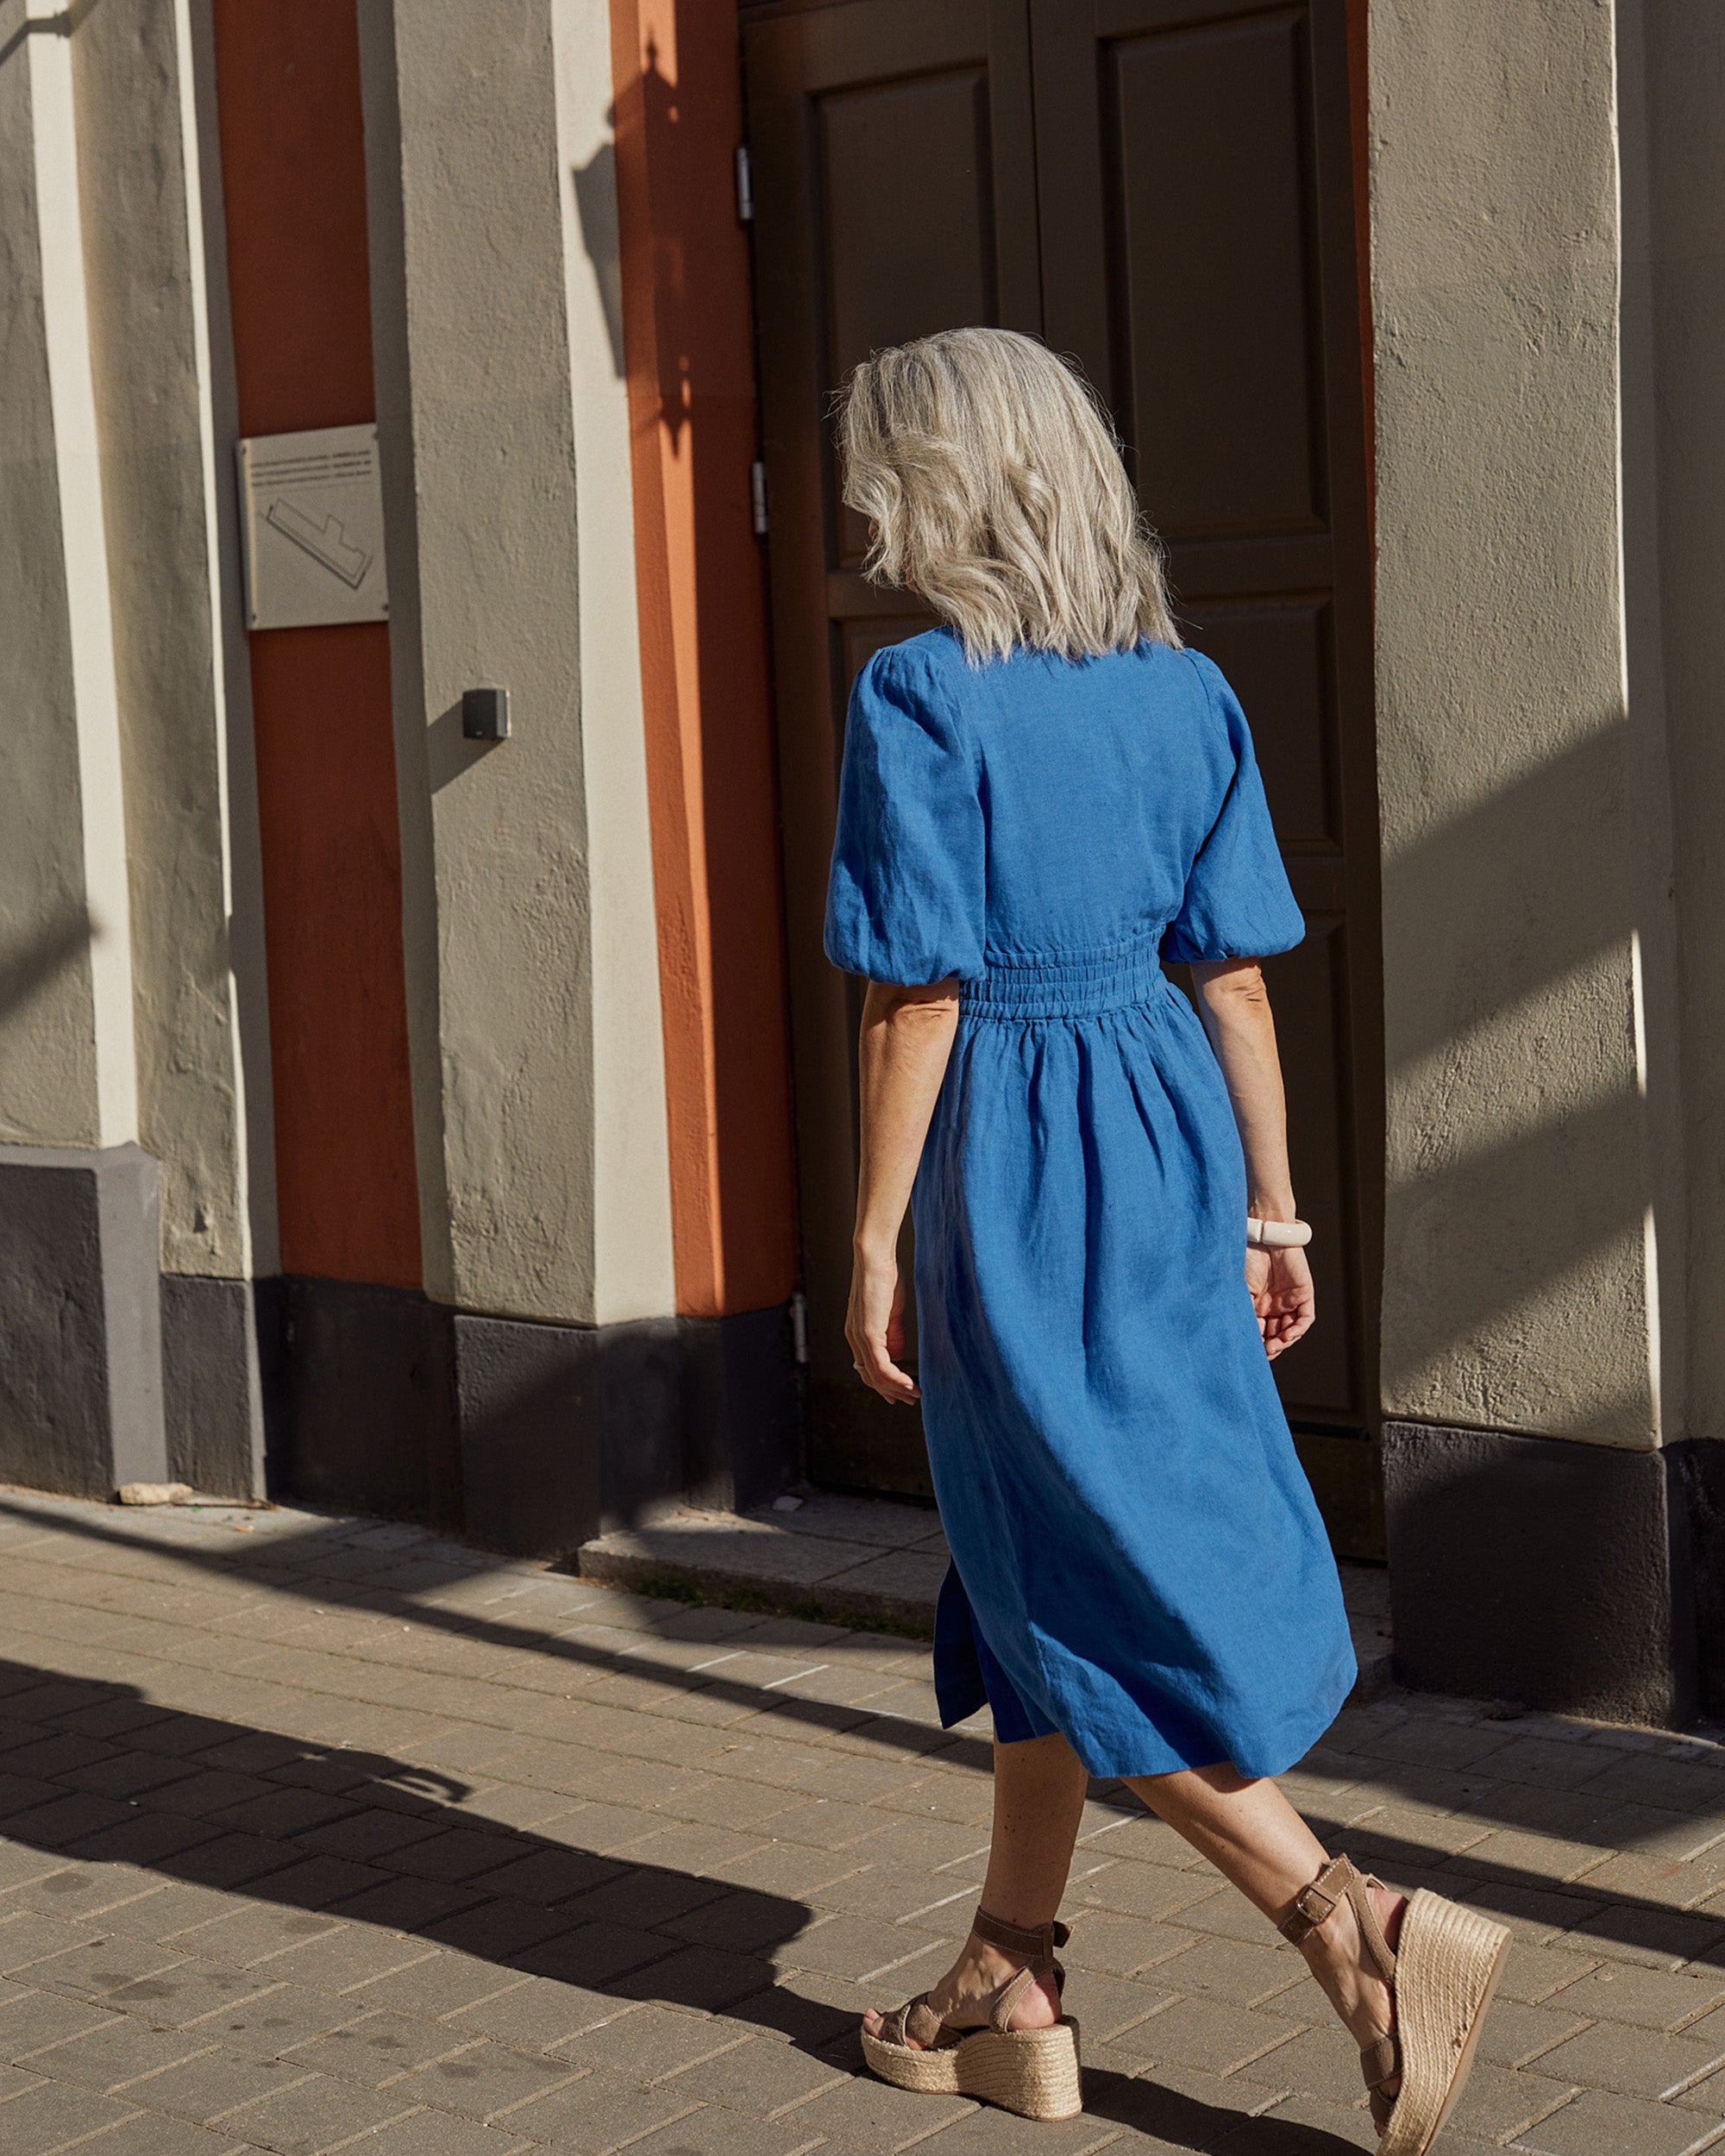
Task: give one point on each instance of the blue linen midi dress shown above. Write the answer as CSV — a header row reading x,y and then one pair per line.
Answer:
x,y
1137,1561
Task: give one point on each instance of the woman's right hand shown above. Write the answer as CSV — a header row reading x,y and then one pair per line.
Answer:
x,y
1280,1282
875,1326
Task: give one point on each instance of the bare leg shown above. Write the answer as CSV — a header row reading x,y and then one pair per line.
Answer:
x,y
1257,1841
1039,1787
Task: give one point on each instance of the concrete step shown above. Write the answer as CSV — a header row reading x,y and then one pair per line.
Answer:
x,y
865,1561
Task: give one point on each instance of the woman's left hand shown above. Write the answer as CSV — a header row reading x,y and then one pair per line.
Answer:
x,y
1280,1282
875,1326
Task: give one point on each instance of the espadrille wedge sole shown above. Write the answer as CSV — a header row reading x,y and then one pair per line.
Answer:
x,y
1448,1963
1442,1972
1033,2071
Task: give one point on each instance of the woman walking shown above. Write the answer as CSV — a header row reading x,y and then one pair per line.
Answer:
x,y
1042,800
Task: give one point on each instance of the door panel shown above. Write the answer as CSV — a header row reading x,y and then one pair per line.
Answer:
x,y
1196,192
895,190
1175,207
1212,279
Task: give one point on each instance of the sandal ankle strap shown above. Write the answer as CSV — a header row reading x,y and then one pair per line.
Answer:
x,y
1315,1905
1037,1942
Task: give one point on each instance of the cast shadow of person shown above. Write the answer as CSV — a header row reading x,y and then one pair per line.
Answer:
x,y
94,1773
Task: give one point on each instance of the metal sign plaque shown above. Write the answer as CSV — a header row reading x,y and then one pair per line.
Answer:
x,y
311,511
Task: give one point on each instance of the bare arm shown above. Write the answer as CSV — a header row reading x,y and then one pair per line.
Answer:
x,y
1234,1005
902,1051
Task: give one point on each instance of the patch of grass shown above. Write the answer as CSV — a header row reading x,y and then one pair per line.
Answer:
x,y
751,1602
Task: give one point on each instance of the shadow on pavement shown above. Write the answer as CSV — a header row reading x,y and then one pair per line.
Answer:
x,y
92,1772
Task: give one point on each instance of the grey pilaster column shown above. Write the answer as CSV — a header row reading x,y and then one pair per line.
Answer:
x,y
1533,1363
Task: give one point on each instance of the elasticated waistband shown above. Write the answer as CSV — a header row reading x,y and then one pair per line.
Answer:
x,y
1081,984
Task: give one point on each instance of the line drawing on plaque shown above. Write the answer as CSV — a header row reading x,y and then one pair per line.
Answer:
x,y
326,542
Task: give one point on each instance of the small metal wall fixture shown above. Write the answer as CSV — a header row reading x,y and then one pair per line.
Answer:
x,y
485,714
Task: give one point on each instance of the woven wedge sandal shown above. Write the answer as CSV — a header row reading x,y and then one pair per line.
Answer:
x,y
1442,1974
1033,2071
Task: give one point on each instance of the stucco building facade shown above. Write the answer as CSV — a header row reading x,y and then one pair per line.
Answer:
x,y
456,1127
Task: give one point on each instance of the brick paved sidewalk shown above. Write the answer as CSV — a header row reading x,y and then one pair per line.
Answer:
x,y
319,1834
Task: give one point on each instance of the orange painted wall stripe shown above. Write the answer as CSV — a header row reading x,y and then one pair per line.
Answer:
x,y
711,771
293,179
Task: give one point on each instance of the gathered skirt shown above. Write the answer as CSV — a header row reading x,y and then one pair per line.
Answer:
x,y
1138,1560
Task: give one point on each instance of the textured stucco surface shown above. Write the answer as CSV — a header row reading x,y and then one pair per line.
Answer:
x,y
532,987
150,341
67,1069
1516,1287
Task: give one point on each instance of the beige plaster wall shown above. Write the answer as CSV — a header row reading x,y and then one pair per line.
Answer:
x,y
532,987
163,467
67,1068
1519,1291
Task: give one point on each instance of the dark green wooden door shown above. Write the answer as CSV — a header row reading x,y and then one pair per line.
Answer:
x,y
1164,189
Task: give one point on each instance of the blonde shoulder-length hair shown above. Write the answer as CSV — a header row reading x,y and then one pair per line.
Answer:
x,y
995,485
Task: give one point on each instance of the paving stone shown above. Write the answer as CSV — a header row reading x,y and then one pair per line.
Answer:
x,y
1635,2062
119,2050
1173,2108
1648,1998
1534,1974
715,2130
315,2113
1139,1889
406,1905
31,2019
1596,2124
484,2080
542,2014
151,2134
649,2045
852,1947
643,1898
1302,2126
1106,2005
1516,2035
872,2116
1320,2061
1540,1915
95,1967
379,2048
213,2081
598,2112
988,2132
757,2076
253,1935
1496,2105
54,2112
27,1937
1206,2032
1524,1859
1657,1939
351,1954
699,1976
1225,1969
269,2022
444,1984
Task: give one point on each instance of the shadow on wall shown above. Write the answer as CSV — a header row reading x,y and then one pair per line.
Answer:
x,y
596,205
25,970
1567,1152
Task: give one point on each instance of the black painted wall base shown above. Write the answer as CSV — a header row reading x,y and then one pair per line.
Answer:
x,y
525,1438
80,1319
1579,1578
212,1385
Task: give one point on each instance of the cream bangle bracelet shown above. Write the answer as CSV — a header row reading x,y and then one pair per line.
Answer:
x,y
1278,1235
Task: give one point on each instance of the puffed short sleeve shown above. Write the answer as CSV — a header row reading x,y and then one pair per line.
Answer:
x,y
1238,902
905,899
